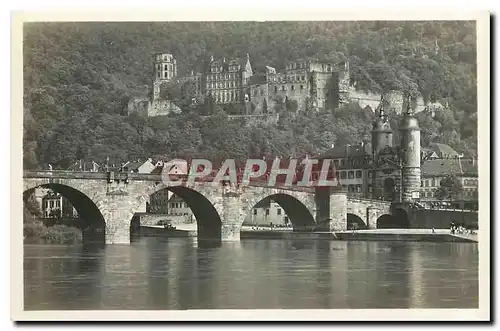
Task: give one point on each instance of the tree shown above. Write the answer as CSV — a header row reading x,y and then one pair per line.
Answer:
x,y
450,188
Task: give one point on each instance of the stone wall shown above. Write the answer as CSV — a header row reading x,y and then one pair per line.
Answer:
x,y
441,219
162,107
368,210
394,100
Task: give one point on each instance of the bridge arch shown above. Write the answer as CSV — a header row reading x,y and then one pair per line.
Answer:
x,y
398,220
94,226
201,203
298,212
355,222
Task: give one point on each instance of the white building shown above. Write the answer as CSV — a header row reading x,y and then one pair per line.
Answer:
x,y
265,213
141,167
178,207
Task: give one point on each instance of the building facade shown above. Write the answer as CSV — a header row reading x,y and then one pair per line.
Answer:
x,y
178,207
303,84
464,171
267,213
52,205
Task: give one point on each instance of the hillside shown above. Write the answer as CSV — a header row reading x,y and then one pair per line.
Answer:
x,y
79,77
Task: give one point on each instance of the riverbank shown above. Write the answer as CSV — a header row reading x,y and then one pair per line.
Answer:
x,y
36,232
423,235
426,235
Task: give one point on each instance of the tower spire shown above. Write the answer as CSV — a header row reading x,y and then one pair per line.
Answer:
x,y
408,104
382,114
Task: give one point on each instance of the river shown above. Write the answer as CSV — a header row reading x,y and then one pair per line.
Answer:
x,y
160,273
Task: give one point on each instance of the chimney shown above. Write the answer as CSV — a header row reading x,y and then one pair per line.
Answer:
x,y
347,147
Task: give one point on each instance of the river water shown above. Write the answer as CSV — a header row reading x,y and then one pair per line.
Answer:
x,y
174,273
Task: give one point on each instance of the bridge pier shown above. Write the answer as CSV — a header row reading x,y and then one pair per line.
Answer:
x,y
338,211
372,215
231,215
117,227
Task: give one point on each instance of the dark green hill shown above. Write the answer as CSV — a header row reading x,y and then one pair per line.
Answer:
x,y
80,76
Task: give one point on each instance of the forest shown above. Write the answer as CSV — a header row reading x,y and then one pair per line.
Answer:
x,y
79,77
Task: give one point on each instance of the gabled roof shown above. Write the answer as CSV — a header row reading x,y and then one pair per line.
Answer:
x,y
442,167
443,150
241,61
175,198
347,151
83,165
134,165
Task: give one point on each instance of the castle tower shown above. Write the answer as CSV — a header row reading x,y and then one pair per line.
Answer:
x,y
344,83
165,69
381,132
410,149
381,139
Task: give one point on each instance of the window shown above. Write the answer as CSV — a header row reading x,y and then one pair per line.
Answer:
x,y
370,174
278,211
186,205
426,183
336,162
350,188
351,174
358,188
276,89
267,212
370,188
336,174
283,88
421,183
359,174
185,214
301,87
255,211
343,174
261,92
292,87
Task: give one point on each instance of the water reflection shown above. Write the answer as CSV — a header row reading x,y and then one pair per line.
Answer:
x,y
178,273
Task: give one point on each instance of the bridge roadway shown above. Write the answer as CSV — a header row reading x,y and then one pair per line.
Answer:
x,y
108,201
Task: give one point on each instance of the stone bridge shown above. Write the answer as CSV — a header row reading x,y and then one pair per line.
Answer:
x,y
108,201
367,213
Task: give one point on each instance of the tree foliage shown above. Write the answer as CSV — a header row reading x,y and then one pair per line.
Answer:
x,y
79,78
450,188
